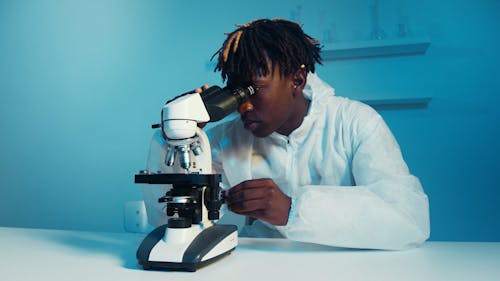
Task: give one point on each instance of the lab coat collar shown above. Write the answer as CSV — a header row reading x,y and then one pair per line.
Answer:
x,y
316,88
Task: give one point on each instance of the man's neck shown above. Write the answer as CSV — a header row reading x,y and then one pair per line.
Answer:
x,y
295,121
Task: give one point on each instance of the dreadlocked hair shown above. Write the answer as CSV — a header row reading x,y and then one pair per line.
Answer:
x,y
249,49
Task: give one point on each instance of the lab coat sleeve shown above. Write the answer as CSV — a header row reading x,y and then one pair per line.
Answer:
x,y
386,209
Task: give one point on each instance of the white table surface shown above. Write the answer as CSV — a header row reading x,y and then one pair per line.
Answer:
x,y
40,254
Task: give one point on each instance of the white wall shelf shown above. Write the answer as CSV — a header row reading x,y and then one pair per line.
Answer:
x,y
405,103
375,48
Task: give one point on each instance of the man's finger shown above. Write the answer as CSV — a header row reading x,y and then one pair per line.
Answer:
x,y
201,89
247,194
247,206
256,183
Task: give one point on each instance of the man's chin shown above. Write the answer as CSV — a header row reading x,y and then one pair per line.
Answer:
x,y
257,129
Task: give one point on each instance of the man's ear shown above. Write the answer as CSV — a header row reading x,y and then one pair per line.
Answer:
x,y
299,79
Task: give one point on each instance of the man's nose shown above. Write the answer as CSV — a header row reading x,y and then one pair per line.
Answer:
x,y
245,107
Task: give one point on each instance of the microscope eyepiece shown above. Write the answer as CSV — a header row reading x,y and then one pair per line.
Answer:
x,y
220,102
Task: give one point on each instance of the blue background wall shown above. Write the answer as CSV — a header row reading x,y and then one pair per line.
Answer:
x,y
81,81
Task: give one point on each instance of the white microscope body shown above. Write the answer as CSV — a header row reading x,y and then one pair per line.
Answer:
x,y
190,239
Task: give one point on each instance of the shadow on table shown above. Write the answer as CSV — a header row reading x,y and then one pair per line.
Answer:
x,y
284,245
120,245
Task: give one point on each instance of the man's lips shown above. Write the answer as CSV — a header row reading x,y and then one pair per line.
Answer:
x,y
250,124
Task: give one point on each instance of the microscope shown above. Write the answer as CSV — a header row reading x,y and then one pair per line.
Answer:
x,y
191,239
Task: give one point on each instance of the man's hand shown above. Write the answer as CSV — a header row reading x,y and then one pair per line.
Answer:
x,y
261,199
201,89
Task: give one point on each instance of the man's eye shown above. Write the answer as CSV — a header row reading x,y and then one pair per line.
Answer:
x,y
257,88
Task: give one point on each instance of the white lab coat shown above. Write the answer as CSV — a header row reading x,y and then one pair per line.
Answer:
x,y
342,168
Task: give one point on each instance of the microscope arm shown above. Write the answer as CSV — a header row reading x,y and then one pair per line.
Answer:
x,y
181,115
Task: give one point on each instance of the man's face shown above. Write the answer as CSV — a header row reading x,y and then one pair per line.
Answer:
x,y
272,106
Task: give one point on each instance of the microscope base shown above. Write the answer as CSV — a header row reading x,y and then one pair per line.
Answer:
x,y
208,246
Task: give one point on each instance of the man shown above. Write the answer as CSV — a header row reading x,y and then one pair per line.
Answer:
x,y
302,163
308,165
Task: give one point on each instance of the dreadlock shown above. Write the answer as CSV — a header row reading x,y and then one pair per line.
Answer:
x,y
250,48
